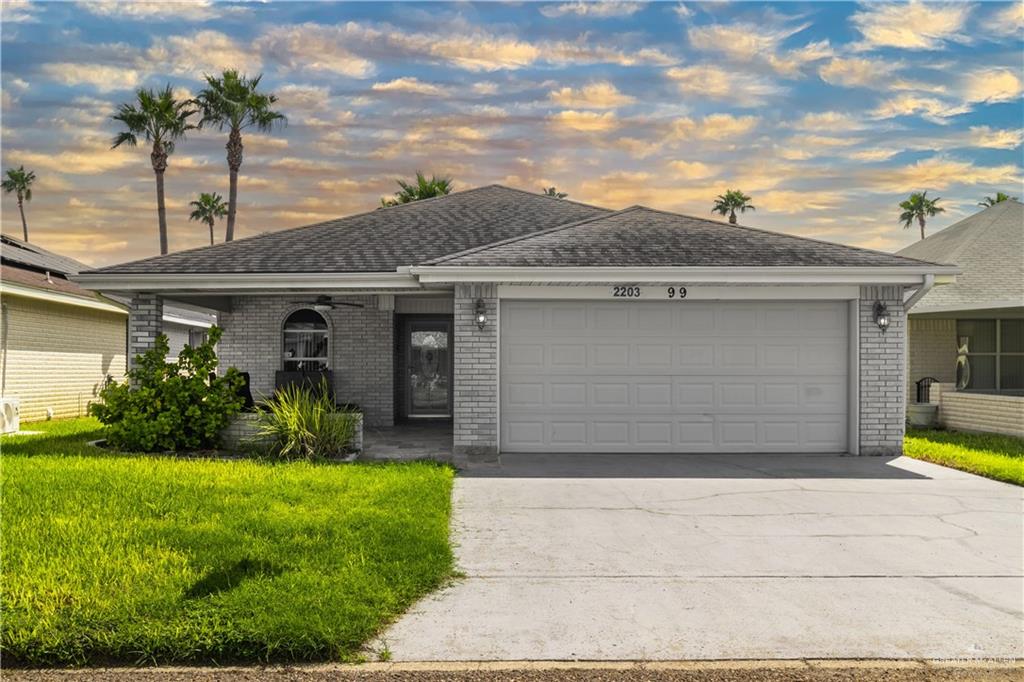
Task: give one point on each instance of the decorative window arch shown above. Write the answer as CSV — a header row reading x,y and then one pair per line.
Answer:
x,y
306,342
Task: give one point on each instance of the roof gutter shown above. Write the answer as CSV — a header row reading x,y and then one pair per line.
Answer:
x,y
905,275
926,286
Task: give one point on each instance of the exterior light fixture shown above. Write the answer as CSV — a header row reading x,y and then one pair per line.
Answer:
x,y
881,316
481,313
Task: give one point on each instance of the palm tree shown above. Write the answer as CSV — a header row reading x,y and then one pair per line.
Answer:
x,y
918,207
1000,197
234,102
733,200
552,192
207,209
422,188
19,181
163,120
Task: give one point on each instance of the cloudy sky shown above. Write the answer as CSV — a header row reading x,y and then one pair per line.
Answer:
x,y
828,114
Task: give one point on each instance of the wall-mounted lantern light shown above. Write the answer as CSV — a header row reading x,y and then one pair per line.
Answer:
x,y
481,313
881,316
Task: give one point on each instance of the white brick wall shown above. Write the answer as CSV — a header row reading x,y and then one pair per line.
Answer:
x,y
361,349
475,408
882,373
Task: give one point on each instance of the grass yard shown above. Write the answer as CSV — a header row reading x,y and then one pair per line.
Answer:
x,y
990,455
139,559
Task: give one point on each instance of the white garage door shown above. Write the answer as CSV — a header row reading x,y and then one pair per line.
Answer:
x,y
673,376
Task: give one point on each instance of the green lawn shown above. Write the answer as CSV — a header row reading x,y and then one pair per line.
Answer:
x,y
126,558
994,456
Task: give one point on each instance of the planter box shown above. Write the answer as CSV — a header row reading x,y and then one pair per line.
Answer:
x,y
244,429
922,414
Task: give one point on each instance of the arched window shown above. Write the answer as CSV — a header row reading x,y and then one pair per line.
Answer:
x,y
306,341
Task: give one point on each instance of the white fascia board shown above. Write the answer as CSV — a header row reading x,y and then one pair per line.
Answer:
x,y
245,282
60,297
174,319
649,292
907,275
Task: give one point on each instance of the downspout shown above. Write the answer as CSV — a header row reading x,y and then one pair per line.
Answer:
x,y
926,286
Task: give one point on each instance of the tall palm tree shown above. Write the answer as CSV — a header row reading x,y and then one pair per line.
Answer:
x,y
553,192
918,207
733,200
421,188
157,117
234,102
207,209
1000,197
19,182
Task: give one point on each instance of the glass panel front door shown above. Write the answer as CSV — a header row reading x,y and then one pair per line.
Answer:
x,y
430,363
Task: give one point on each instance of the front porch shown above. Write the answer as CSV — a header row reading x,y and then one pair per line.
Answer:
x,y
409,441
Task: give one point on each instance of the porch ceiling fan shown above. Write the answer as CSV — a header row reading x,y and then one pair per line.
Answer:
x,y
323,303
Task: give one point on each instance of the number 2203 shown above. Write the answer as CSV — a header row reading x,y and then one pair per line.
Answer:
x,y
626,292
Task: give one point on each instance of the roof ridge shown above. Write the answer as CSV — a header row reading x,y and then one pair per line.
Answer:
x,y
546,196
974,234
538,233
786,234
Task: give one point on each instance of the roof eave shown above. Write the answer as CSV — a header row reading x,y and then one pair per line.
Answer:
x,y
242,282
904,274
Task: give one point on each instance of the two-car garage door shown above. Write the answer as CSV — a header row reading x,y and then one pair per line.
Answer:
x,y
673,376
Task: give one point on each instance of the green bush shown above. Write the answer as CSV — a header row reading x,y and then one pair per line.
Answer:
x,y
170,405
298,423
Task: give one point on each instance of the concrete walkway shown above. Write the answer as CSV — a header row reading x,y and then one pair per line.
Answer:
x,y
727,557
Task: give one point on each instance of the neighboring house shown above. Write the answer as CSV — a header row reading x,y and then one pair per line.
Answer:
x,y
545,325
969,336
59,341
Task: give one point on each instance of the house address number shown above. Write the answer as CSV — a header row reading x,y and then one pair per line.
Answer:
x,y
637,292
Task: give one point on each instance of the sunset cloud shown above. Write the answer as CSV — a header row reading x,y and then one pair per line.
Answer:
x,y
102,77
911,26
941,173
714,127
856,72
603,9
715,82
585,121
599,95
408,84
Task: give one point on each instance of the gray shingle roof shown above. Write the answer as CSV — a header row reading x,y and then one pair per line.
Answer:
x,y
989,248
641,237
381,240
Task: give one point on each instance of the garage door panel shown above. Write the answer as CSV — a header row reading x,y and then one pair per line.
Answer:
x,y
694,376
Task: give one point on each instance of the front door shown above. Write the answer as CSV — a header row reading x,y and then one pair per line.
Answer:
x,y
428,362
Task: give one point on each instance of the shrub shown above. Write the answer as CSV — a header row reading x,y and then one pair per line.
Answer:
x,y
170,405
298,423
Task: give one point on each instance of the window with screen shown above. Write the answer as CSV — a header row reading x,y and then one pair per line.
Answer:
x,y
990,355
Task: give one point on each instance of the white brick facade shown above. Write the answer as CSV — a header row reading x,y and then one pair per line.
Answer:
x,y
145,323
882,373
475,408
362,359
361,348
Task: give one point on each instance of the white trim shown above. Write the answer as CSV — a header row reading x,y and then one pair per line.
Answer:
x,y
907,275
13,289
693,292
853,387
929,282
245,282
174,319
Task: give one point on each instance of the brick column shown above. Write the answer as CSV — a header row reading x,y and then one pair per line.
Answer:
x,y
476,376
882,373
145,323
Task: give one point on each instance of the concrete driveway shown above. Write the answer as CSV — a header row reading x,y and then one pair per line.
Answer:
x,y
728,557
